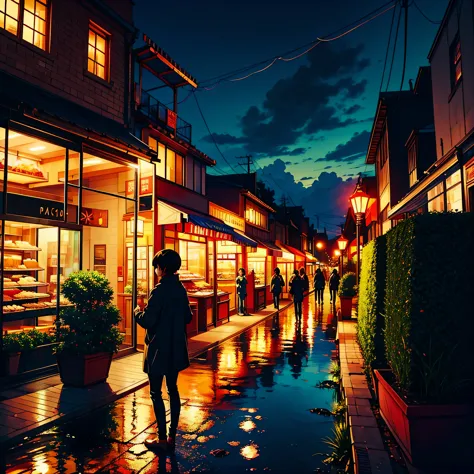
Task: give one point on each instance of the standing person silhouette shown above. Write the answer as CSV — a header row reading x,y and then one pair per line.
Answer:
x,y
166,350
304,279
241,283
319,284
297,291
334,285
276,288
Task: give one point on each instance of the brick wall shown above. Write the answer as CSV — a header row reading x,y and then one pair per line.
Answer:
x,y
63,69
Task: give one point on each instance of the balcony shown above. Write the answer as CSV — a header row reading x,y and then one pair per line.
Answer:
x,y
163,116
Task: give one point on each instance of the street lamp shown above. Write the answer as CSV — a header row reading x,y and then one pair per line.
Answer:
x,y
337,254
319,245
342,244
359,202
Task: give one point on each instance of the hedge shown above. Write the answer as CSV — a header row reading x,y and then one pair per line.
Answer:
x,y
370,321
428,306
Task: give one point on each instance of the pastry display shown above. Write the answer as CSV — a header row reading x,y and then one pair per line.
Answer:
x,y
62,301
31,263
35,305
27,295
28,167
9,284
21,244
26,279
12,308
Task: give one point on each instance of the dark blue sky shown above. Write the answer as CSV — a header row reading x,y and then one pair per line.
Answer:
x,y
307,121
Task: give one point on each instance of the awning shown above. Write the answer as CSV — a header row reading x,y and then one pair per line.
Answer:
x,y
241,238
285,253
273,250
208,227
310,257
294,251
169,215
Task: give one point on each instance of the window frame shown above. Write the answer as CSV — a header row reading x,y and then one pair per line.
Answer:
x,y
455,60
21,24
412,152
99,31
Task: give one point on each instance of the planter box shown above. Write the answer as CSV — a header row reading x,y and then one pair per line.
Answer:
x,y
37,358
346,307
79,370
10,362
431,436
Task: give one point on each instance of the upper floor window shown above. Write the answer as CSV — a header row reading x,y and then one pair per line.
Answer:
x,y
455,61
254,216
171,165
412,169
26,18
98,52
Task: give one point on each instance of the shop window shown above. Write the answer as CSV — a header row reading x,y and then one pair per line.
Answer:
x,y
98,52
412,159
170,165
254,216
455,61
454,192
179,170
436,198
34,28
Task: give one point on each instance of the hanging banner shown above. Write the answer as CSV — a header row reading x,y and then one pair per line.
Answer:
x,y
171,119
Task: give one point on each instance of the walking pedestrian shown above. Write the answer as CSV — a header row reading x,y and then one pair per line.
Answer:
x,y
319,285
297,292
241,283
277,285
334,285
305,279
166,350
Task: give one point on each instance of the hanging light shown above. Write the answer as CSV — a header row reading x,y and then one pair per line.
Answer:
x,y
342,243
359,201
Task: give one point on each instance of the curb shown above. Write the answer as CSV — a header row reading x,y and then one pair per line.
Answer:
x,y
30,432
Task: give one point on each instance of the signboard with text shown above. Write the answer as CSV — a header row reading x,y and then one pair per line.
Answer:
x,y
171,119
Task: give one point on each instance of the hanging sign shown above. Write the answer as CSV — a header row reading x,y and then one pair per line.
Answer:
x,y
146,187
34,207
171,119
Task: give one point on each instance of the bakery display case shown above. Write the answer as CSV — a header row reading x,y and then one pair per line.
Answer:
x,y
23,169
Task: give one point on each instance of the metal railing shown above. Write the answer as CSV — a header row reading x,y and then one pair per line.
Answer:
x,y
158,112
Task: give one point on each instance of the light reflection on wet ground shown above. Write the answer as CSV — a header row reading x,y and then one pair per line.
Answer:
x,y
247,401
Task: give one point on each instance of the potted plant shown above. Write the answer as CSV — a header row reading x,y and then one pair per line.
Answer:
x,y
40,352
426,397
87,331
13,344
347,291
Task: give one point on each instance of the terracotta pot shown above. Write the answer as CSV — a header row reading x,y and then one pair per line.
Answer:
x,y
80,370
10,361
431,436
346,307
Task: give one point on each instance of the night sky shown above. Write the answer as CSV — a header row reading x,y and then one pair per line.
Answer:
x,y
306,122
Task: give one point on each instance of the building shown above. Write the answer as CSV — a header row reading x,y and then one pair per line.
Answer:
x,y
67,154
448,184
401,118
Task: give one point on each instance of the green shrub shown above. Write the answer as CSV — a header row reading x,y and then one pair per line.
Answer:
x,y
348,285
25,340
90,326
428,306
370,320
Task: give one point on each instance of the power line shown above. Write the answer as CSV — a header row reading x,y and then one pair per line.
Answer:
x,y
394,49
245,161
405,44
313,44
211,134
426,17
388,47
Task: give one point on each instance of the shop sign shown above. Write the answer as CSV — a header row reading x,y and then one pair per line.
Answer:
x,y
171,119
33,207
205,232
146,187
94,217
229,218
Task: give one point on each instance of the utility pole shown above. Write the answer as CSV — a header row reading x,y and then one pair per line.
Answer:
x,y
245,161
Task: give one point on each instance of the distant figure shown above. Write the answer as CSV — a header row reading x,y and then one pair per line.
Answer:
x,y
166,352
334,285
241,283
319,285
305,279
297,292
276,287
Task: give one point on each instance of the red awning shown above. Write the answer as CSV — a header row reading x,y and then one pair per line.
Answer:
x,y
273,250
297,253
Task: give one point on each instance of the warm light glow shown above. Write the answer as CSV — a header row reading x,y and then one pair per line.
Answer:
x,y
131,227
319,245
250,451
93,161
13,135
37,148
337,253
98,52
359,201
342,243
247,425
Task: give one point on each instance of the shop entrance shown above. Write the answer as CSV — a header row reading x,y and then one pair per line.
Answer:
x,y
229,260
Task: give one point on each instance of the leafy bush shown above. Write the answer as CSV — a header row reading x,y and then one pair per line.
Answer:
x,y
348,286
370,322
25,340
90,326
340,443
428,306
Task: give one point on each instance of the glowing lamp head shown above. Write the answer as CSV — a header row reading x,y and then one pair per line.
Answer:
x,y
359,201
342,243
319,245
337,253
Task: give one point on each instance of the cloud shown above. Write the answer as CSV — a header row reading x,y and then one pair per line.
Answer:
x,y
306,178
289,163
327,167
307,159
224,139
299,105
355,148
352,109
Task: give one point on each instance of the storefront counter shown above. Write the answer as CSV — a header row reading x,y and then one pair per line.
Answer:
x,y
259,297
204,301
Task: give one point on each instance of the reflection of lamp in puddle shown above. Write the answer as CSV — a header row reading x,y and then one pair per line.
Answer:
x,y
131,227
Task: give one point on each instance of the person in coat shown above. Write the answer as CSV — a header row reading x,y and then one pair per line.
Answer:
x,y
166,349
305,279
277,285
334,285
297,292
241,283
319,285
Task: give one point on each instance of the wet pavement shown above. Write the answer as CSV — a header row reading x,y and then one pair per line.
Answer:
x,y
245,409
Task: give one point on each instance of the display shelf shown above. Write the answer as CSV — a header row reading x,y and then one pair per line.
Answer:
x,y
22,270
27,285
23,178
31,313
20,301
22,249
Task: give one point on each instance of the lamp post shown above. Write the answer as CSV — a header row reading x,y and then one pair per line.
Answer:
x,y
359,201
342,244
337,253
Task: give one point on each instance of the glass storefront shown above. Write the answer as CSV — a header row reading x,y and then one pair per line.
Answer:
x,y
62,210
229,260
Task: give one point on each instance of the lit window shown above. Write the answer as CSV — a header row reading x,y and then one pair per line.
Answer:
x,y
170,165
35,22
179,170
412,168
98,52
455,61
34,29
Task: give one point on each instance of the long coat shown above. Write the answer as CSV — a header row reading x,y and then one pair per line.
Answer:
x,y
241,283
297,288
277,284
165,318
334,281
319,280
